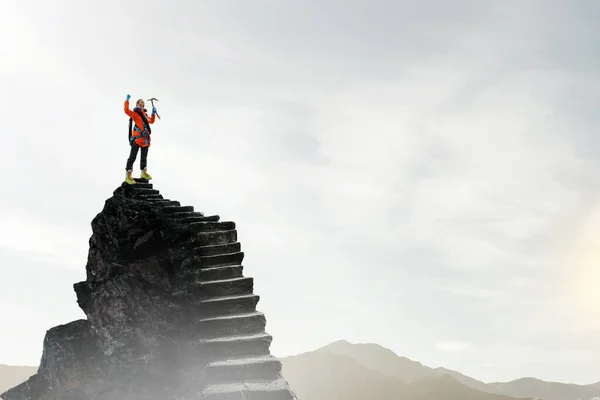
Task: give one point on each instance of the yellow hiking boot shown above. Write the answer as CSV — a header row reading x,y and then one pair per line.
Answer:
x,y
145,175
129,178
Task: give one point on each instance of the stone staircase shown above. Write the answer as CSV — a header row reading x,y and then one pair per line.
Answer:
x,y
231,332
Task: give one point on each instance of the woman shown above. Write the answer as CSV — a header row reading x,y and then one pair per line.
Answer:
x,y
139,137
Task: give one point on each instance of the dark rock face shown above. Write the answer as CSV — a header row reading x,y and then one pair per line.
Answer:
x,y
170,315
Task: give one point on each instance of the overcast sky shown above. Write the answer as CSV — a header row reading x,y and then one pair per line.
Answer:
x,y
423,175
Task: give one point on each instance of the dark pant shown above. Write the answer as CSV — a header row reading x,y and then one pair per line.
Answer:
x,y
133,155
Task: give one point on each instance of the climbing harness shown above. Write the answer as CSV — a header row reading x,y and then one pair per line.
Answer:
x,y
140,134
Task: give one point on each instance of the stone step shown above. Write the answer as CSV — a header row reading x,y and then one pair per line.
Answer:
x,y
223,287
152,196
189,220
217,273
144,191
211,226
166,203
253,390
233,325
190,214
218,249
228,305
175,209
264,367
223,348
216,237
145,184
221,260
238,346
158,201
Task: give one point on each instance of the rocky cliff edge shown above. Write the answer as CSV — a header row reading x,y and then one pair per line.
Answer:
x,y
170,315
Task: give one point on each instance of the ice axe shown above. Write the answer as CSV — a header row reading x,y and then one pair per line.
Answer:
x,y
152,102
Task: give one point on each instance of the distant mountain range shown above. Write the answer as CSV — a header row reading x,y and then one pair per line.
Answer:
x,y
369,371
355,371
320,375
11,376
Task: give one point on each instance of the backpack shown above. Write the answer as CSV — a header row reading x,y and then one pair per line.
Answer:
x,y
146,124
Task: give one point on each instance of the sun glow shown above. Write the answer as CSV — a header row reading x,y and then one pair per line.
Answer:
x,y
586,281
581,275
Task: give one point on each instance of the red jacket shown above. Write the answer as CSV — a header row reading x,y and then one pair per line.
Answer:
x,y
141,139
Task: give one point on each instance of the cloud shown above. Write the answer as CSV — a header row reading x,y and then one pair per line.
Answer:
x,y
36,293
477,292
426,169
452,346
54,244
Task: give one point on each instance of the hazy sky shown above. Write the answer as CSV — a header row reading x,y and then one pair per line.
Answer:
x,y
421,175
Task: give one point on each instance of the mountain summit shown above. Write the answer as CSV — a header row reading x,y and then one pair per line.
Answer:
x,y
169,313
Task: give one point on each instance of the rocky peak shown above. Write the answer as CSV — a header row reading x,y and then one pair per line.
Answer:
x,y
169,313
